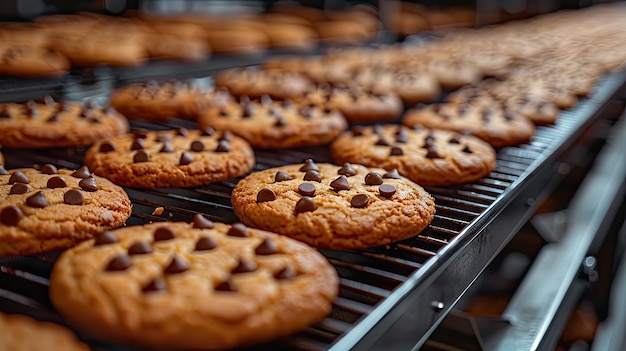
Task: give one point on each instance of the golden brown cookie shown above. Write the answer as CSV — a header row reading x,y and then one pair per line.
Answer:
x,y
268,124
335,207
201,286
410,87
52,123
20,331
427,157
26,61
170,158
50,209
113,47
255,82
493,124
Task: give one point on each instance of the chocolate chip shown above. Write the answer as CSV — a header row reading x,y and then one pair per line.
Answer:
x,y
223,113
223,146
33,113
138,144
463,109
244,266
197,146
373,178
85,112
140,133
305,204
107,146
432,152
455,139
157,284
341,183
508,116
163,234
309,165
105,238
285,273
18,177
467,150
265,195
307,112
281,176
280,122
238,230
306,189
225,136
378,129
53,118
5,113
226,285
82,172
396,151
3,171
486,114
91,104
37,200
176,265
347,170
357,131
11,215
247,111
182,132
401,137
49,169
139,248
266,247
201,222
387,190
62,106
120,262
287,103
73,197
88,184
313,176
167,147
429,139
56,182
18,189
382,142
208,131
185,159
393,174
359,201
205,243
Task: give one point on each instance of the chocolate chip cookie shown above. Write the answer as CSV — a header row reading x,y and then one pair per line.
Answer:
x,y
268,124
335,207
427,157
52,123
170,158
196,286
50,209
255,82
20,330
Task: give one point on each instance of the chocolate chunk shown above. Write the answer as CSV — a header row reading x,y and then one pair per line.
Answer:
x,y
107,146
82,172
359,201
56,182
201,222
226,285
313,176
73,197
37,200
306,189
138,144
18,177
387,190
281,176
53,118
3,171
347,170
244,266
11,215
157,284
305,204
18,189
119,263
396,151
182,132
105,238
341,183
373,178
382,142
393,174
163,233
140,133
285,273
238,230
88,184
208,131
280,122
455,139
176,265
205,243
432,152
197,146
167,147
185,159
223,146
266,247
357,131
265,195
139,248
309,165
467,150
225,136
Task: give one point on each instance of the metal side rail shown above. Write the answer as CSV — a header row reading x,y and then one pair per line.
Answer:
x,y
539,309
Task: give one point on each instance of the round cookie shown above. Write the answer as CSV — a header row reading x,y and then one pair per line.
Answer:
x,y
267,124
492,124
24,333
410,87
26,61
201,286
335,207
55,209
427,157
255,82
170,158
57,124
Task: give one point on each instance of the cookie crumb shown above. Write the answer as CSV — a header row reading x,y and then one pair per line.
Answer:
x,y
158,211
